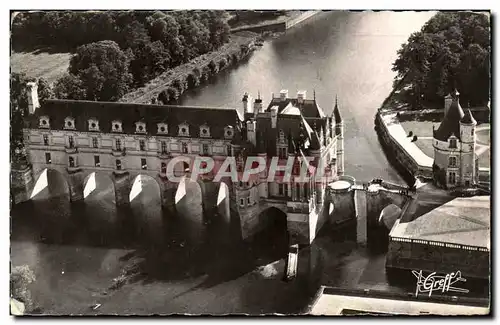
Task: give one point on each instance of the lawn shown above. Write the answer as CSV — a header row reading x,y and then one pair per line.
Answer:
x,y
37,64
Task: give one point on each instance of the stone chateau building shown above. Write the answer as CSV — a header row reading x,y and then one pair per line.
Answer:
x,y
455,160
125,141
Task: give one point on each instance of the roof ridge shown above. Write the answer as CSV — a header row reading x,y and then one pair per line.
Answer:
x,y
139,104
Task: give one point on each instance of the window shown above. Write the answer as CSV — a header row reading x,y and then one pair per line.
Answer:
x,y
451,178
184,130
472,132
144,164
281,189
205,149
162,128
118,163
229,150
140,127
163,147
453,143
204,131
116,126
452,161
48,158
184,147
71,162
93,125
97,161
71,141
248,200
142,145
282,153
118,144
95,143
163,168
306,190
242,202
45,140
297,191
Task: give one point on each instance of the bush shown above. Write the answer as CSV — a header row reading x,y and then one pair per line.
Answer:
x,y
20,278
213,67
180,85
222,64
163,97
192,80
172,94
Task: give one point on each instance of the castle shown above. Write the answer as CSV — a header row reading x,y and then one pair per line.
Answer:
x,y
454,142
128,141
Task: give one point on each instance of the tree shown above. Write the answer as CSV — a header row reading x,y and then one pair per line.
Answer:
x,y
451,51
44,90
18,109
69,86
102,68
149,61
20,279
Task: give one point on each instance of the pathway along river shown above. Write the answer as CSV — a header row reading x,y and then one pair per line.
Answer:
x,y
75,249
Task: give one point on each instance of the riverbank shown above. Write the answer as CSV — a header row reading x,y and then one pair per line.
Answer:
x,y
279,24
170,85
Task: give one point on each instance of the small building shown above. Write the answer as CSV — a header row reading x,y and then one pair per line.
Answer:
x,y
455,160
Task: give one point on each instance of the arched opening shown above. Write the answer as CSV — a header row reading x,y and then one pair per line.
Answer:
x,y
51,206
389,215
223,208
146,206
189,206
97,217
50,183
272,241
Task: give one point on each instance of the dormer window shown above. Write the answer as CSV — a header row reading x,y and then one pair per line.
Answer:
x,y
162,128
93,124
116,126
44,122
228,132
204,131
140,127
69,123
184,130
453,143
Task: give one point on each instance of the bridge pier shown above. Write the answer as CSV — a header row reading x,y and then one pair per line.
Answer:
x,y
122,186
76,185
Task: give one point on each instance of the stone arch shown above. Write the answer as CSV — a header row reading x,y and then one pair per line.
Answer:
x,y
274,235
189,199
223,202
137,185
46,177
92,181
389,215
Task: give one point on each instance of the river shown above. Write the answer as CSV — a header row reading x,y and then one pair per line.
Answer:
x,y
77,250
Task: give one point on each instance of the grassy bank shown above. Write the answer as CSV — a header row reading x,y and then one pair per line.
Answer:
x,y
171,84
36,64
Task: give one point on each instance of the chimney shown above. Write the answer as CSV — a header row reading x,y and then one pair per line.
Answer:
x,y
301,96
274,116
257,105
33,102
251,131
247,103
447,103
284,94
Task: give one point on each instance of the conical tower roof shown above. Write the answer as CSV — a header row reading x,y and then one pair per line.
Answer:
x,y
468,118
336,111
451,122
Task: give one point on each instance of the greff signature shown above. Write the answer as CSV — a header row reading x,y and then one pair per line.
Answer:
x,y
433,282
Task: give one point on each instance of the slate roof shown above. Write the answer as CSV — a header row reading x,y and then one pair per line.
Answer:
x,y
468,118
309,108
336,112
451,122
105,112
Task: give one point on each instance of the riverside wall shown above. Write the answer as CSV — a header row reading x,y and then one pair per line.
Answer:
x,y
279,26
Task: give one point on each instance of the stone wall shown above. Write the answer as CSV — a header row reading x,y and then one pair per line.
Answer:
x,y
430,256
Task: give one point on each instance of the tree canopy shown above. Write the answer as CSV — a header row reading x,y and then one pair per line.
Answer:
x,y
153,41
451,51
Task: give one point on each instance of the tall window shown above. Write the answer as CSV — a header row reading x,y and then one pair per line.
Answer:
x,y
163,147
118,144
453,143
97,161
297,191
205,149
95,142
229,150
184,147
282,153
118,164
48,158
163,168
45,140
142,145
144,164
71,162
71,141
281,189
451,178
452,161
